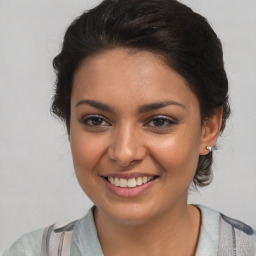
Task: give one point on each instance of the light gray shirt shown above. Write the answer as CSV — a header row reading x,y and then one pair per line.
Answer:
x,y
219,236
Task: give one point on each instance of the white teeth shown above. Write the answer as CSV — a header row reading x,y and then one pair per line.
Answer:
x,y
144,179
130,183
112,180
117,182
150,178
139,181
123,183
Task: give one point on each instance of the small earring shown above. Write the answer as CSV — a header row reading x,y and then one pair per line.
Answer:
x,y
209,148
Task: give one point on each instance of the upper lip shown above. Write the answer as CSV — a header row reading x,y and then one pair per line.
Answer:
x,y
128,175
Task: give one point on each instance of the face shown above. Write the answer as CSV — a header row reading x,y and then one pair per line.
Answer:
x,y
135,135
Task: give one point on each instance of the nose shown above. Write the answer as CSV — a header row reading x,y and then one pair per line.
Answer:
x,y
126,148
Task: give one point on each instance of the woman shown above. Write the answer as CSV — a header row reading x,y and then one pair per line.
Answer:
x,y
142,89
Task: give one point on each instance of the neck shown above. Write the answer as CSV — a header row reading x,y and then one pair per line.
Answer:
x,y
164,235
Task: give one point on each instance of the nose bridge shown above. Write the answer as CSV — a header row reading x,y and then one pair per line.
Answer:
x,y
126,146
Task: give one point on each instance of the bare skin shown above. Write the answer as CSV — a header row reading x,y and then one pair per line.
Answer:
x,y
178,237
132,117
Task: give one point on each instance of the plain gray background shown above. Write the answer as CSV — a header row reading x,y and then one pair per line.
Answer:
x,y
37,182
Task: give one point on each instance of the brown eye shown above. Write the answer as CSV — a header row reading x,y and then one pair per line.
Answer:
x,y
96,121
161,122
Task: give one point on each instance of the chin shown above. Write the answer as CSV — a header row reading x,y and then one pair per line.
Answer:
x,y
129,214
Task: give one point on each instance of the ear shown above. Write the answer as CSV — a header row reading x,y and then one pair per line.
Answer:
x,y
210,131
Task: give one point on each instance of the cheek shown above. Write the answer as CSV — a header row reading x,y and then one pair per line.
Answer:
x,y
178,155
86,154
86,151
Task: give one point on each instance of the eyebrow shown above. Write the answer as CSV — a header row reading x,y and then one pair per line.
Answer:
x,y
158,105
96,104
142,109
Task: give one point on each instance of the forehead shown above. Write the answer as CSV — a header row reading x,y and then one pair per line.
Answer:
x,y
120,73
129,62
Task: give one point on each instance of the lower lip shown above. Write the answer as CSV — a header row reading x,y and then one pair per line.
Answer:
x,y
129,192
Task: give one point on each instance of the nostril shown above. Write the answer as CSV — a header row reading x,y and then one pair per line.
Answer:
x,y
126,149
126,158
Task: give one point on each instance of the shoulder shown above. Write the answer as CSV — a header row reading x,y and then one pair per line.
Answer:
x,y
234,235
28,245
45,241
231,235
55,239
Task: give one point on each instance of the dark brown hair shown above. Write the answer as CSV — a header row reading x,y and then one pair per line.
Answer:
x,y
168,28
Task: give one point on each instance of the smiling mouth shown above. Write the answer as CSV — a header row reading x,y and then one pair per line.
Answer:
x,y
130,183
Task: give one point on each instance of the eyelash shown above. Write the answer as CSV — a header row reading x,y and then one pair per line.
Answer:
x,y
85,121
168,122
